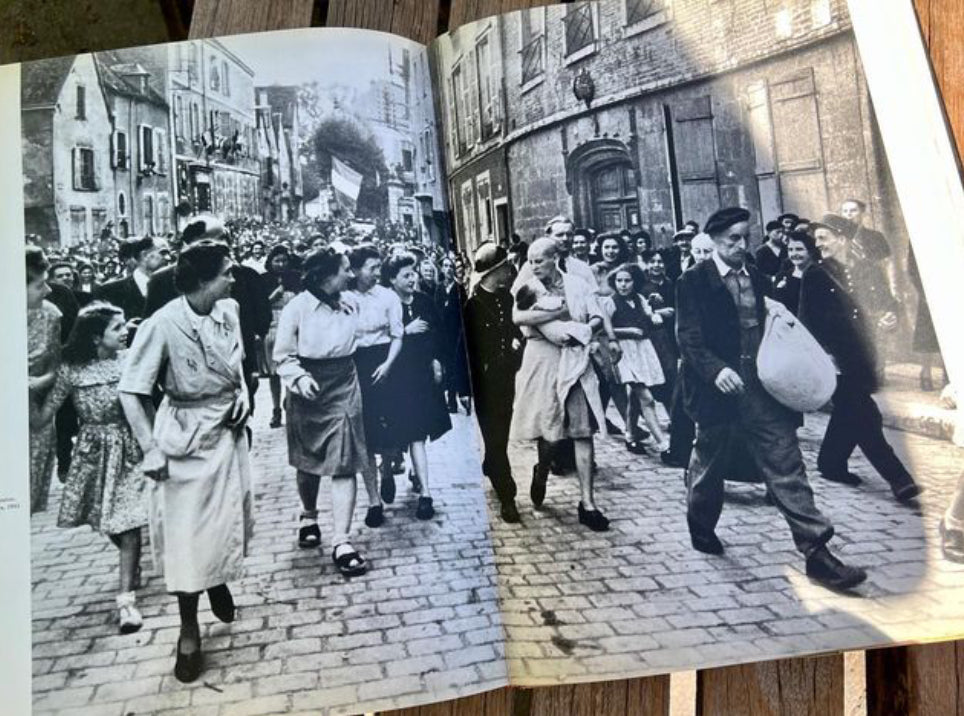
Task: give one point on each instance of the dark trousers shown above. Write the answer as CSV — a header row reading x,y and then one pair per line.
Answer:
x,y
682,429
494,410
770,434
856,422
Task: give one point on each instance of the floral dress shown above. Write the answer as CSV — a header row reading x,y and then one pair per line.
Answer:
x,y
43,356
104,487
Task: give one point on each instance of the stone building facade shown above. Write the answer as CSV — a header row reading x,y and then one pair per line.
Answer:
x,y
279,139
217,167
66,129
140,148
647,113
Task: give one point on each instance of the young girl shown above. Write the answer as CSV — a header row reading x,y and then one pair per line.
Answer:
x,y
104,487
638,367
416,372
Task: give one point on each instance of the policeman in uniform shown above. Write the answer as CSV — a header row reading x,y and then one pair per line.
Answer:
x,y
494,346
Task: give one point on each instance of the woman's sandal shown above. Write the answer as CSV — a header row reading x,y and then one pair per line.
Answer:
x,y
309,535
636,447
350,564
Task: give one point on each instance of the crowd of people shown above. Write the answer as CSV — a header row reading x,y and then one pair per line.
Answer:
x,y
559,326
141,387
145,364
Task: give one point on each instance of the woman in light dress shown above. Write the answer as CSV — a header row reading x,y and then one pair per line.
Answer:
x,y
195,448
104,487
545,410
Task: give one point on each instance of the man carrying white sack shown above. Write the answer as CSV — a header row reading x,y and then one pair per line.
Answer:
x,y
720,320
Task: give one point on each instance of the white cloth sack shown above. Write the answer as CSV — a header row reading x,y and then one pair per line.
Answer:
x,y
792,366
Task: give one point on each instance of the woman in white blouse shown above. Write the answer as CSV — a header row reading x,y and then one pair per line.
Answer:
x,y
314,349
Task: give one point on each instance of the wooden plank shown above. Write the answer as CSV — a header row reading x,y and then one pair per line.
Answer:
x,y
463,11
415,19
231,17
928,679
784,686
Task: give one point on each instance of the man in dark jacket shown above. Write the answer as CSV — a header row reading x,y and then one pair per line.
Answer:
x,y
254,308
679,256
721,309
772,254
831,308
494,348
130,292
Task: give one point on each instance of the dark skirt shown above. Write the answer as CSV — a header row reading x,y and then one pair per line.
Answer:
x,y
326,435
417,405
376,399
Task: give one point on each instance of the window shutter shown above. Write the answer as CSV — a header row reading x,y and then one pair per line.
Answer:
x,y
473,97
113,150
452,99
75,163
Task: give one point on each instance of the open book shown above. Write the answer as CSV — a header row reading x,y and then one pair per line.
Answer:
x,y
435,367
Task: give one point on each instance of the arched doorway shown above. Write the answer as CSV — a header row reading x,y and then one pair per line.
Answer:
x,y
602,179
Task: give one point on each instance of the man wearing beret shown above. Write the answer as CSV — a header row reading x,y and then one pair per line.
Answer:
x,y
831,308
494,347
721,309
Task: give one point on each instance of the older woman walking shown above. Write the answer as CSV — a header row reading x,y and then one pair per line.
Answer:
x,y
314,349
550,407
195,448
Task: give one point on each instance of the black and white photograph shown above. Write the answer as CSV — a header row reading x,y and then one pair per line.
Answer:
x,y
589,342
253,475
716,422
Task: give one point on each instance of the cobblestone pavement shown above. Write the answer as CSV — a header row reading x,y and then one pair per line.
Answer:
x,y
424,619
638,599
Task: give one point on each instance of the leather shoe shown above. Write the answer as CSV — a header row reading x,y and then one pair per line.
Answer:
x,y
187,667
593,519
907,493
375,517
537,491
844,478
670,460
825,569
509,513
388,487
222,603
707,543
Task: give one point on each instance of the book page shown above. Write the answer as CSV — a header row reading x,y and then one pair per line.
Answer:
x,y
253,474
716,397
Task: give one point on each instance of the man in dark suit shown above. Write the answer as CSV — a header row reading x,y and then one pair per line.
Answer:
x,y
254,308
494,344
130,293
721,309
679,257
831,309
772,254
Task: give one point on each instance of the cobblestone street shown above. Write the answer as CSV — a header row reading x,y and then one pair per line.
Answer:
x,y
424,618
639,599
